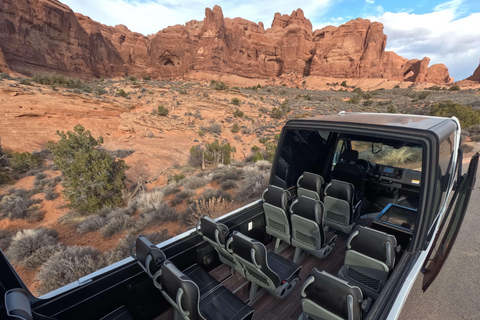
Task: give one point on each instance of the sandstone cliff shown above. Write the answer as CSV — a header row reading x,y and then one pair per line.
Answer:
x,y
46,36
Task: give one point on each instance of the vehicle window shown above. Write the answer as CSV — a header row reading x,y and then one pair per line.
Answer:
x,y
404,157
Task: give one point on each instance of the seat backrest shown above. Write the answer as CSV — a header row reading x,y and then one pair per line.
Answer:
x,y
148,255
275,201
338,202
182,293
307,222
347,170
349,156
373,244
17,304
327,297
252,254
310,185
216,234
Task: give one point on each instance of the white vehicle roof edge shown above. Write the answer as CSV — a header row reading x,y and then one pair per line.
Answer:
x,y
88,278
412,276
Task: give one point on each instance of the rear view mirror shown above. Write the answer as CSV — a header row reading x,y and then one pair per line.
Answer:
x,y
376,147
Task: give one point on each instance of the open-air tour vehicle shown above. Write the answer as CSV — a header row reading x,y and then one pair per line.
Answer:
x,y
358,206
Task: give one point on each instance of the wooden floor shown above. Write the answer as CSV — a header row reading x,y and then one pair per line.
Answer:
x,y
268,307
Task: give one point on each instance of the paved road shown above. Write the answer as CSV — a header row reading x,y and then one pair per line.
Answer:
x,y
455,294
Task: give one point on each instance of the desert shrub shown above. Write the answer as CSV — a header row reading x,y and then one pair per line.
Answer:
x,y
367,102
22,162
214,193
235,128
19,205
213,128
170,189
465,114
422,95
238,113
56,80
116,222
211,153
146,78
236,101
42,255
26,242
467,148
50,194
176,178
353,101
344,84
255,182
92,223
5,239
283,110
228,184
213,208
67,266
229,175
160,213
162,111
122,93
219,85
455,87
182,195
257,156
148,200
91,178
119,153
40,176
391,109
195,182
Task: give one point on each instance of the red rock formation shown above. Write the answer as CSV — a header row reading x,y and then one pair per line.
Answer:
x,y
3,64
476,75
46,36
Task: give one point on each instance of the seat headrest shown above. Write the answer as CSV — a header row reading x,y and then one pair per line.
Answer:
x,y
144,248
208,227
331,293
311,181
340,190
308,208
349,155
243,245
172,280
373,243
276,197
17,304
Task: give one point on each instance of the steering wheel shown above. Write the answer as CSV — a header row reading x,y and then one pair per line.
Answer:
x,y
364,164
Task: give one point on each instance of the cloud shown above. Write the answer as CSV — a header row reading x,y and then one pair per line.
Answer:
x,y
370,1
150,16
439,35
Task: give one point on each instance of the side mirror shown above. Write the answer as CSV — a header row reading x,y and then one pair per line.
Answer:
x,y
376,147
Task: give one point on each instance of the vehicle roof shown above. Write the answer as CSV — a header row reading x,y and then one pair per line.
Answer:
x,y
398,120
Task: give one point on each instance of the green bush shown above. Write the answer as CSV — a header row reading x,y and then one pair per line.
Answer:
x,y
465,114
146,78
238,113
55,80
367,102
353,101
162,111
344,84
257,156
91,178
212,153
235,128
391,109
219,85
122,93
455,87
22,162
236,102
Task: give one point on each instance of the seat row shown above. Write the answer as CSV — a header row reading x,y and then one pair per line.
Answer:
x,y
286,216
251,259
193,293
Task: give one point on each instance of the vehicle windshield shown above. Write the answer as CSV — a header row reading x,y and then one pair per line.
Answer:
x,y
407,157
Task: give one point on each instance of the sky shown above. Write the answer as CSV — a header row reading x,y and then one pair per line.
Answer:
x,y
447,32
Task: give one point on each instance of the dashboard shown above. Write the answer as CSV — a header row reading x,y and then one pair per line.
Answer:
x,y
399,175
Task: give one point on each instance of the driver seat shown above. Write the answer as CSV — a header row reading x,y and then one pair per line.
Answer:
x,y
348,171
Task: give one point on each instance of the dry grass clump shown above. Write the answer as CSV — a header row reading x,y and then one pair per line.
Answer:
x,y
67,266
117,221
25,243
214,193
256,181
195,182
19,205
5,239
182,195
228,184
148,200
213,208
